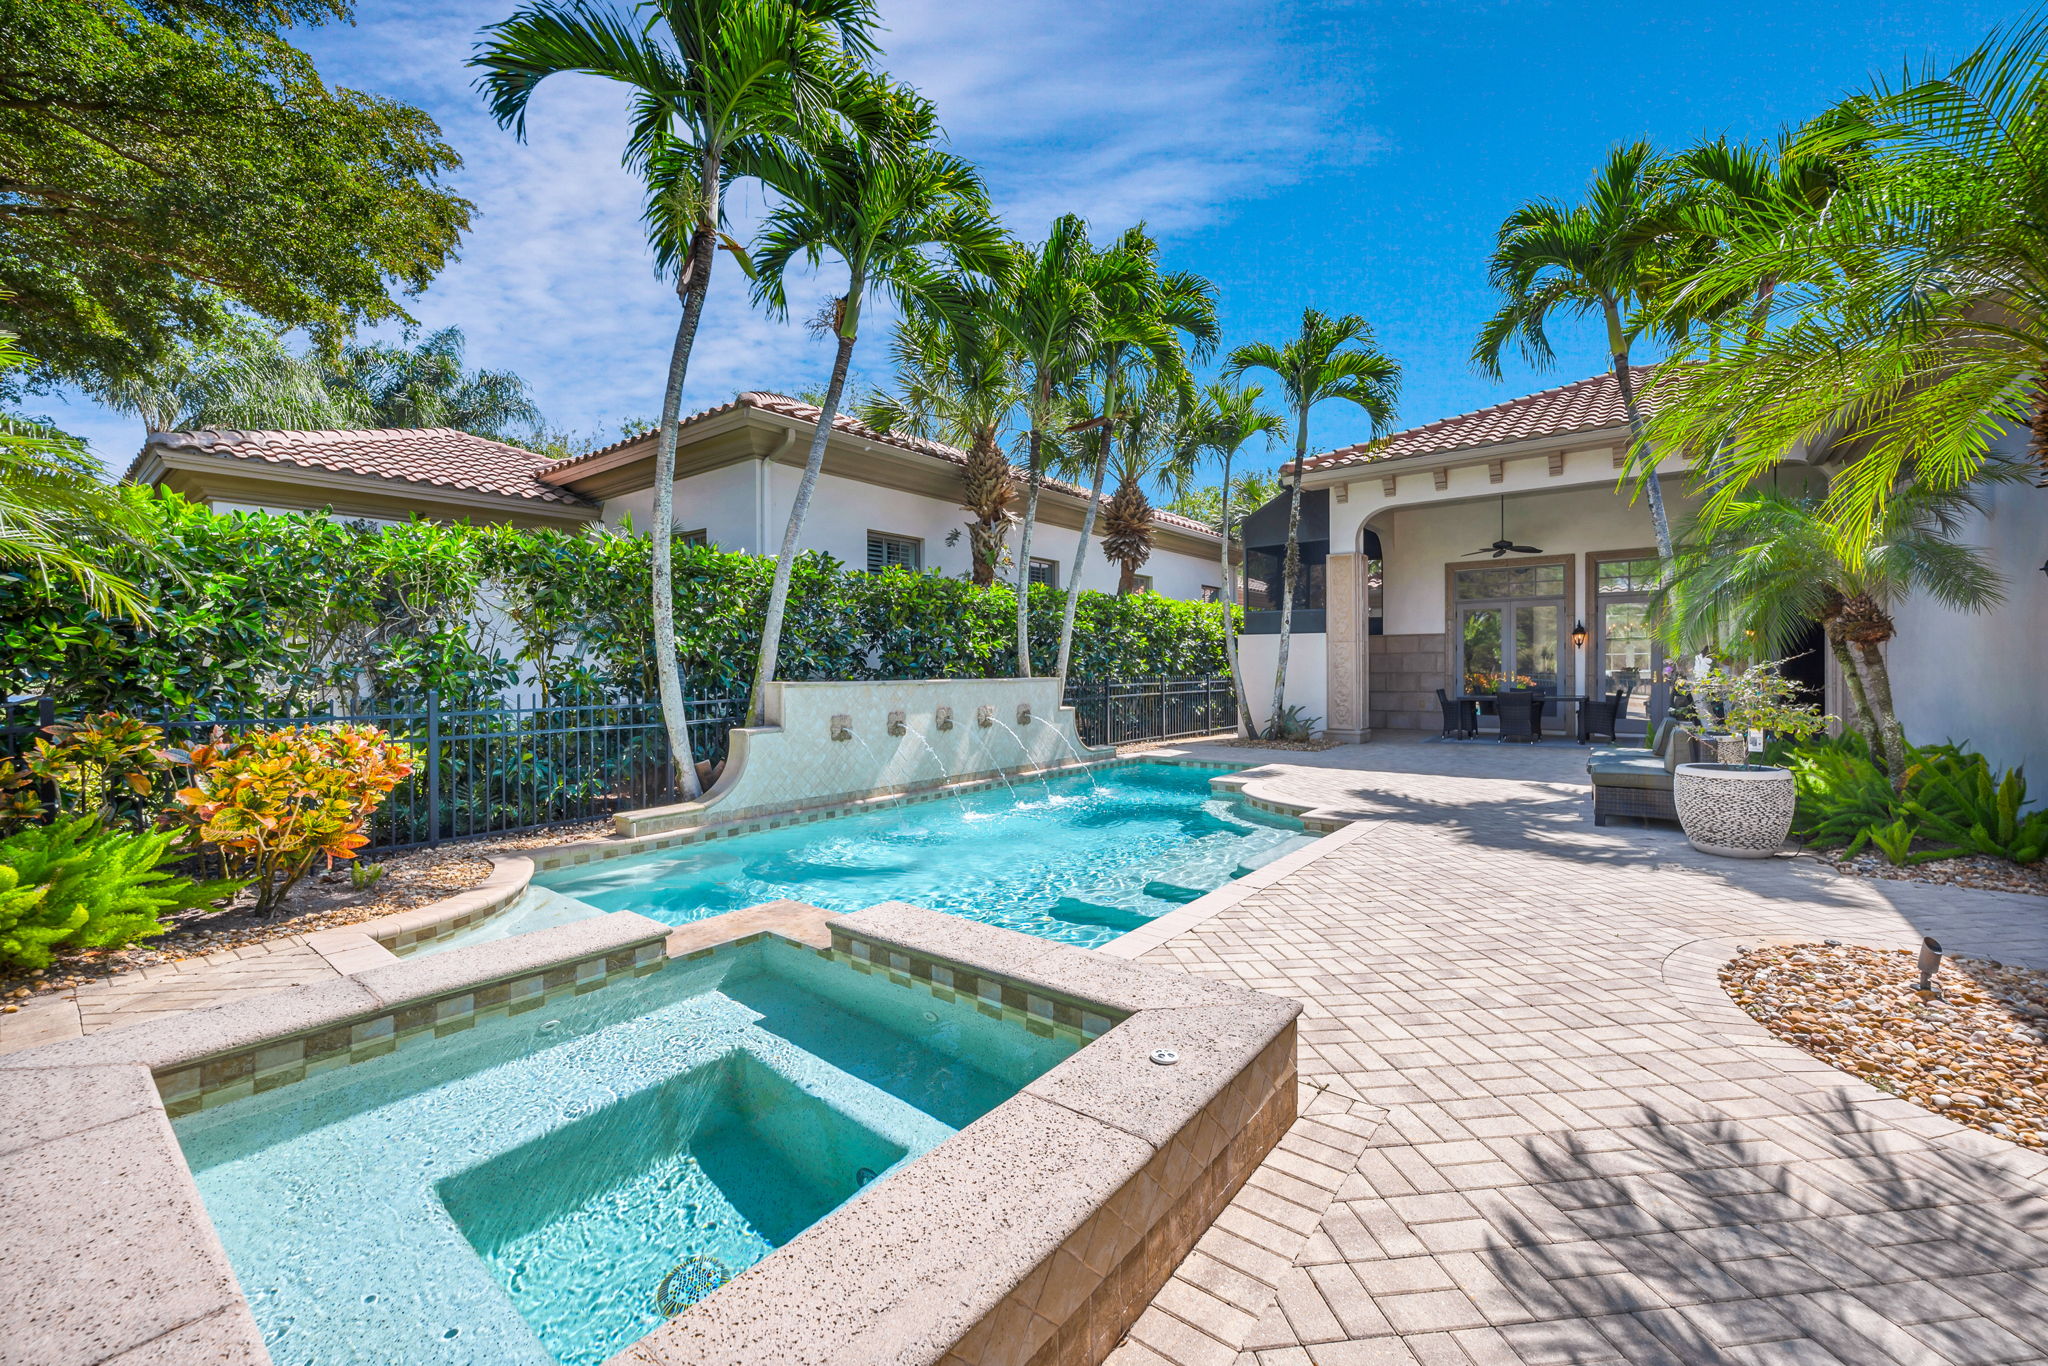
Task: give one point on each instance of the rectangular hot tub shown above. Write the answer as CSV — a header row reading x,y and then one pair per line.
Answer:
x,y
549,1186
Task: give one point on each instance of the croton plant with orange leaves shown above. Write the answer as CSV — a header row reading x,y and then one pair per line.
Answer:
x,y
273,801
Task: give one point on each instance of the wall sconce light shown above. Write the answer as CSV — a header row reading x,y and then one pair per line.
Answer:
x,y
1578,635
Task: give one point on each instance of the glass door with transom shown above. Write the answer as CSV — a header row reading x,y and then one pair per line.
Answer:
x,y
1510,627
1626,657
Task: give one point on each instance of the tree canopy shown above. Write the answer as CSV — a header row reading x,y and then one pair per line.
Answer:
x,y
162,160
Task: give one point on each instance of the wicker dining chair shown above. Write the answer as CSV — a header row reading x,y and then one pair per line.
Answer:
x,y
1461,718
1599,718
1521,715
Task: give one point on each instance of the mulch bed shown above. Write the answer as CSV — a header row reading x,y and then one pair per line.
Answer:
x,y
1304,746
321,901
1975,1051
1971,870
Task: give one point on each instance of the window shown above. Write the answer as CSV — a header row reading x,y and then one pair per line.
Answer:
x,y
1046,572
894,552
1211,593
1144,582
1625,576
700,536
1511,581
1263,577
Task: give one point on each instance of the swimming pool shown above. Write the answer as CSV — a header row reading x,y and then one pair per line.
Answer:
x,y
1078,857
550,1186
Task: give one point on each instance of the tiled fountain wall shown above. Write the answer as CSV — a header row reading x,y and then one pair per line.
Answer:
x,y
830,743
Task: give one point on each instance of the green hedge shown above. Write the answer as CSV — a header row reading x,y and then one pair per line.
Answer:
x,y
260,612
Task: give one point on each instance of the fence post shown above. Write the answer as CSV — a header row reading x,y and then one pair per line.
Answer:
x,y
433,767
1160,729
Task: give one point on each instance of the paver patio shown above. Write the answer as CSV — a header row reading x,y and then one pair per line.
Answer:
x,y
1536,1130
1584,1152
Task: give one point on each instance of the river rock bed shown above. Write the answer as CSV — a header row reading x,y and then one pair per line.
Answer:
x,y
1974,1051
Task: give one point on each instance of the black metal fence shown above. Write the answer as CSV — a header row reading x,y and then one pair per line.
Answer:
x,y
520,766
1123,712
489,770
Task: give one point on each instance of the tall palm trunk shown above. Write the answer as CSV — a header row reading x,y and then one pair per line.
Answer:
x,y
778,594
1290,567
1081,558
1024,553
1230,665
1859,714
1653,488
694,285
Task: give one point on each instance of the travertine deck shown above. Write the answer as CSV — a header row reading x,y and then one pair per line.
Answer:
x,y
1583,1152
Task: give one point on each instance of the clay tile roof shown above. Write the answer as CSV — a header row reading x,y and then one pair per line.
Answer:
x,y
441,456
1585,406
784,406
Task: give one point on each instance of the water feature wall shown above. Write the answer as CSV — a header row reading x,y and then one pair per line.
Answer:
x,y
831,744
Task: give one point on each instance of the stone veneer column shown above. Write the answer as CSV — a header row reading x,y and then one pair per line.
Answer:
x,y
1349,686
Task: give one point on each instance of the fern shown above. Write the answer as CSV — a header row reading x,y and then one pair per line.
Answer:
x,y
74,885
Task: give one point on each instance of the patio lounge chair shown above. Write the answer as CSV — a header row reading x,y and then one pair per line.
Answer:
x,y
1461,718
1637,782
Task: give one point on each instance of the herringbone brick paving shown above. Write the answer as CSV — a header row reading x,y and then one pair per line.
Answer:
x,y
1587,1154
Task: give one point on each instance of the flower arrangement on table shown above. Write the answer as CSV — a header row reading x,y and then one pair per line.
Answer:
x,y
1483,680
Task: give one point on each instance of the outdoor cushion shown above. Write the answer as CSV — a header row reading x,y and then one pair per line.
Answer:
x,y
1619,752
1645,772
1663,736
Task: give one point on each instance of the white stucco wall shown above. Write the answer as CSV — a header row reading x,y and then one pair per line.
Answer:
x,y
1978,678
843,511
1308,665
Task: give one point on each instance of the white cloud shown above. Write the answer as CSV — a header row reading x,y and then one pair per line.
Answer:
x,y
1126,112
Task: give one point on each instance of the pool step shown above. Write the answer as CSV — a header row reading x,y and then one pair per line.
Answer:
x,y
1074,911
1168,891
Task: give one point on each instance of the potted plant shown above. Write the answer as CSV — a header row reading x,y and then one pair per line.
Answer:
x,y
1733,807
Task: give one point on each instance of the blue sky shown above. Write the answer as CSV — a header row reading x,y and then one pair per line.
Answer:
x,y
1352,156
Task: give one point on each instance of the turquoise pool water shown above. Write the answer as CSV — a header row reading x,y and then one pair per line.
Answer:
x,y
1079,858
542,1188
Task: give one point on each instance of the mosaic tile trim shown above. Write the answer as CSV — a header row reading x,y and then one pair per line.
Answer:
x,y
1039,1011
409,939
280,1062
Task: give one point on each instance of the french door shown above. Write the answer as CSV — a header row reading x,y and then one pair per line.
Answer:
x,y
1510,644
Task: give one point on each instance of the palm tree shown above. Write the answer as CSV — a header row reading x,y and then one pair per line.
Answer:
x,y
246,378
1771,562
1913,324
425,385
1226,418
53,505
1152,436
1144,316
954,383
706,76
884,211
1331,358
1613,257
1047,314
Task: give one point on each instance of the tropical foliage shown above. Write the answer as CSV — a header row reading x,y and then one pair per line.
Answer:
x,y
75,884
1907,324
1951,803
272,801
169,162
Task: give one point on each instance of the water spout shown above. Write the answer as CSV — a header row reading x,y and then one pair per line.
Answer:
x,y
842,727
1023,715
943,718
1024,753
896,726
1089,770
984,717
918,736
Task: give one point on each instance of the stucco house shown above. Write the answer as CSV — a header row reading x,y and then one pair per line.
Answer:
x,y
881,500
1401,592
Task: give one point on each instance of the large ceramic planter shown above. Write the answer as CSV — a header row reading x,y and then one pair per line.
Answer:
x,y
1734,810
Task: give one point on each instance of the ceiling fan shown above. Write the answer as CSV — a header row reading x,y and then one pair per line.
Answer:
x,y
1504,545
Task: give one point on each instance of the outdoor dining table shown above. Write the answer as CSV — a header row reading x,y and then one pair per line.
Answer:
x,y
1548,698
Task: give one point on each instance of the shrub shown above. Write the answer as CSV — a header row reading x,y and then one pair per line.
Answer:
x,y
107,766
1950,799
75,884
265,614
273,801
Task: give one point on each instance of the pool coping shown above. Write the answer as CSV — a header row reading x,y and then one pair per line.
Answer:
x,y
1071,1203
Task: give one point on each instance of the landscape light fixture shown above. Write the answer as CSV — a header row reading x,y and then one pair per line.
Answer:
x,y
1930,963
1579,635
